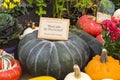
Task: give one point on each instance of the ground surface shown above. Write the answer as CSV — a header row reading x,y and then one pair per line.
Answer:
x,y
25,76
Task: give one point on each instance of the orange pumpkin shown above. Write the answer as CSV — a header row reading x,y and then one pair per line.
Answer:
x,y
101,67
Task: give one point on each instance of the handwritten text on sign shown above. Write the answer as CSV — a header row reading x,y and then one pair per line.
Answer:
x,y
53,28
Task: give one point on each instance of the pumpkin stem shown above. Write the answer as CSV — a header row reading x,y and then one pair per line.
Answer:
x,y
76,71
33,25
103,57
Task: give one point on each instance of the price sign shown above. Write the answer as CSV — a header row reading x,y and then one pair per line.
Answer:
x,y
102,16
53,28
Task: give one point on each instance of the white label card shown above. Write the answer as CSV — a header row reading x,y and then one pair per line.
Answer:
x,y
102,16
53,28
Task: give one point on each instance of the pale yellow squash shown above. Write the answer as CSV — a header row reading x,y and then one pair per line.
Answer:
x,y
43,78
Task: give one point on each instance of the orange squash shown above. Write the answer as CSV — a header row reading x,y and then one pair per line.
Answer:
x,y
101,67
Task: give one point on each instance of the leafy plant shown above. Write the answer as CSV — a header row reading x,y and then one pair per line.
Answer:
x,y
9,29
6,20
30,1
1,1
83,5
117,3
111,35
77,8
13,7
63,7
9,26
71,8
41,5
58,8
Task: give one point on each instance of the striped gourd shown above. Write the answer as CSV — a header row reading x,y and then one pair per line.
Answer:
x,y
53,58
107,6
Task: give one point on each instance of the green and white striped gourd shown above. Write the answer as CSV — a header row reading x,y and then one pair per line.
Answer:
x,y
106,6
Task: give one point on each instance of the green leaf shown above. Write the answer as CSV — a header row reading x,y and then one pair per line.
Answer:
x,y
1,2
6,21
30,1
59,1
40,12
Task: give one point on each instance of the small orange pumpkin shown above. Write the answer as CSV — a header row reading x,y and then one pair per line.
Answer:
x,y
103,66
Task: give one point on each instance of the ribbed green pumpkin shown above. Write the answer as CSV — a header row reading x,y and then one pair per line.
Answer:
x,y
54,58
94,45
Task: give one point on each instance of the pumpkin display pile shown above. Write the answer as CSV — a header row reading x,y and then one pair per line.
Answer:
x,y
80,56
101,67
53,58
10,68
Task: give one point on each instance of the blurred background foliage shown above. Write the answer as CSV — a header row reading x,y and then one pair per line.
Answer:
x,y
117,3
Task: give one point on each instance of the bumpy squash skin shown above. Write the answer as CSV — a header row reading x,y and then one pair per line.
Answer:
x,y
53,58
98,71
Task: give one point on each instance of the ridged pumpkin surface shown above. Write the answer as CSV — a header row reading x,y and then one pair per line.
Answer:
x,y
99,71
54,58
95,46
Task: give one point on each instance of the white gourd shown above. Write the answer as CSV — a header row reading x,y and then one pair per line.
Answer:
x,y
117,14
27,31
77,74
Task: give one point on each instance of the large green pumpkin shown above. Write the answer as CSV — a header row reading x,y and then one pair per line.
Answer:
x,y
94,45
54,58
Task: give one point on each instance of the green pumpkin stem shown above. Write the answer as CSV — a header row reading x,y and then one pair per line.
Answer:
x,y
76,71
103,57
